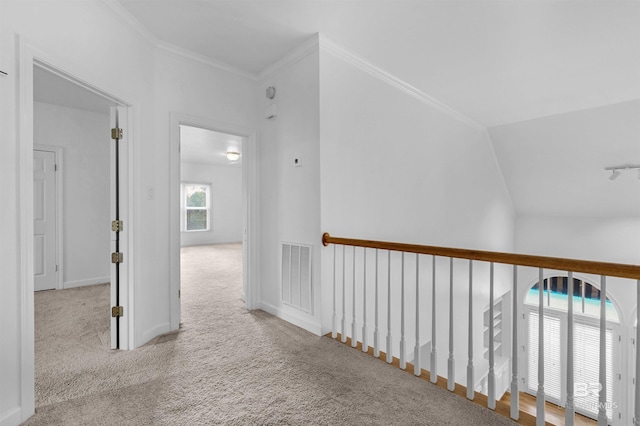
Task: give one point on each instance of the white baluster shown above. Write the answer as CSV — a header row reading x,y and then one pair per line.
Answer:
x,y
433,374
491,401
470,369
636,418
417,367
389,340
602,374
540,394
403,349
334,325
365,343
451,380
343,338
515,392
376,338
354,332
569,409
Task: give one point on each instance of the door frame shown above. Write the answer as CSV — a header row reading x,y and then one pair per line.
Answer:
x,y
249,203
28,56
58,151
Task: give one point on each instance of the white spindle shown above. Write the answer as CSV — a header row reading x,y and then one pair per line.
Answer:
x,y
354,332
403,348
491,402
636,418
451,366
540,395
433,373
515,392
343,338
470,369
334,325
602,373
569,409
417,367
365,343
389,347
376,339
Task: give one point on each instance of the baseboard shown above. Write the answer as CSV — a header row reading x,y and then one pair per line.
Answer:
x,y
11,417
210,243
156,331
83,283
308,324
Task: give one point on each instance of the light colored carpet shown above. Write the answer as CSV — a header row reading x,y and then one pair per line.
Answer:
x,y
225,366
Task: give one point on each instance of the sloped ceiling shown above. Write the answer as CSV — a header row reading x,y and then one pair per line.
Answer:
x,y
554,166
556,82
496,61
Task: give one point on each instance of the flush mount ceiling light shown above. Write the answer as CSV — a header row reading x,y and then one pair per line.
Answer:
x,y
233,155
617,170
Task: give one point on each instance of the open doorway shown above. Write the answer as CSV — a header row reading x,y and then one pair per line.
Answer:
x,y
249,213
211,209
73,204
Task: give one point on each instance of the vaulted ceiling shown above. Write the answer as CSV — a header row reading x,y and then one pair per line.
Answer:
x,y
496,61
556,82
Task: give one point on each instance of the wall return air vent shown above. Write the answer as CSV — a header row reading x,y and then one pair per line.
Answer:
x,y
296,276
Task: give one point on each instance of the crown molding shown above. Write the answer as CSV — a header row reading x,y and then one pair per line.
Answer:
x,y
134,23
131,20
303,50
364,65
188,54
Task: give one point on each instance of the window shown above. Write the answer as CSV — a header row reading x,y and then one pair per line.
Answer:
x,y
586,338
196,206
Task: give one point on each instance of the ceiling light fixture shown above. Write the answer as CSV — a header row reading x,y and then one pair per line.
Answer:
x,y
233,155
617,170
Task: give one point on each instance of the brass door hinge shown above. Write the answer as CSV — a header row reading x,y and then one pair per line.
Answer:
x,y
117,257
117,226
116,133
117,311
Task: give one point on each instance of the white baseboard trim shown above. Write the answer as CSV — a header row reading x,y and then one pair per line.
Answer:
x,y
208,243
11,417
88,281
309,324
153,333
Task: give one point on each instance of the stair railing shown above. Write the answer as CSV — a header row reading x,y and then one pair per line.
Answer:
x,y
542,263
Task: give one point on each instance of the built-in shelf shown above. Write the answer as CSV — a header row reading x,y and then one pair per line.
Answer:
x,y
497,329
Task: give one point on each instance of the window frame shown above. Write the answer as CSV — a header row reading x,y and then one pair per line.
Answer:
x,y
184,208
614,358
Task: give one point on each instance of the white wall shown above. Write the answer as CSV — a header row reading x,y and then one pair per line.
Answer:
x,y
84,137
589,238
398,169
154,84
289,196
226,203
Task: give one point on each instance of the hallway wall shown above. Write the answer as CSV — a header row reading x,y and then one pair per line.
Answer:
x,y
104,50
84,135
395,167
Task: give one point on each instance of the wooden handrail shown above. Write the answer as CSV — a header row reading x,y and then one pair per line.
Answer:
x,y
585,266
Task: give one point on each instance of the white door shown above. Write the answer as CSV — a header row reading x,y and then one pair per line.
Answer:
x,y
44,220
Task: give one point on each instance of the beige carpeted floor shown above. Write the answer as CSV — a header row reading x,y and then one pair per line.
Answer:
x,y
225,366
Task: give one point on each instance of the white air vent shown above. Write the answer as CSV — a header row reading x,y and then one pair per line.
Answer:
x,y
296,276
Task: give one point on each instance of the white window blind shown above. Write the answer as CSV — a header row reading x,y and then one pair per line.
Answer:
x,y
586,340
552,358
